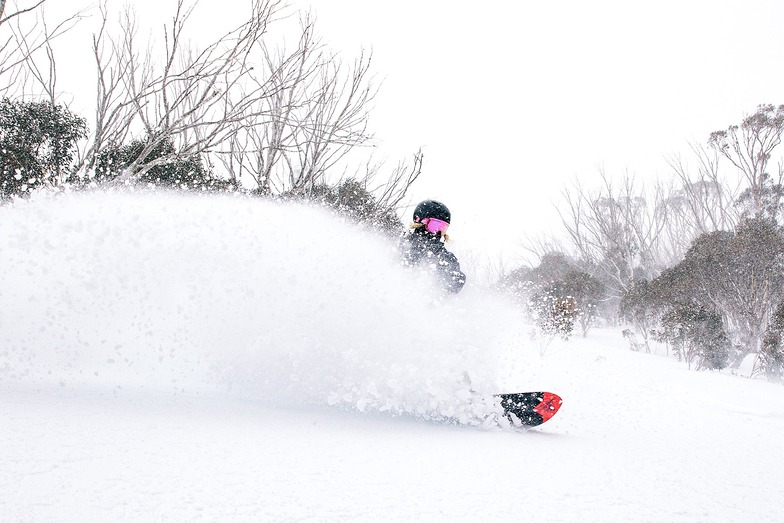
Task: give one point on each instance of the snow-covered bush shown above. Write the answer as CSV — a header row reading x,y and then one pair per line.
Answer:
x,y
352,200
554,315
161,166
696,336
543,291
37,145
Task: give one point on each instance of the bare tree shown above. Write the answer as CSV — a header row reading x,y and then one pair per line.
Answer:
x,y
10,55
707,198
281,118
193,98
392,189
257,147
542,244
696,203
316,115
114,107
749,147
615,232
23,33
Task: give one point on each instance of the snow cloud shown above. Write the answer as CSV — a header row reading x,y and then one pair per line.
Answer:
x,y
228,295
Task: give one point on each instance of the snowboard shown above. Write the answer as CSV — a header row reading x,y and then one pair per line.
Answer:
x,y
530,409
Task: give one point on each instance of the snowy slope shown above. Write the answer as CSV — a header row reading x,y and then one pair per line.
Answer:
x,y
222,359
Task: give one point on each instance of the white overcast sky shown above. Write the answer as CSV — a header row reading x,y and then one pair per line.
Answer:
x,y
511,100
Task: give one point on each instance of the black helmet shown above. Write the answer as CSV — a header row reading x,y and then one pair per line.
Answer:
x,y
432,209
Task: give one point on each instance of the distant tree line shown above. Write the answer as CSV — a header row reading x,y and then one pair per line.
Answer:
x,y
244,113
695,263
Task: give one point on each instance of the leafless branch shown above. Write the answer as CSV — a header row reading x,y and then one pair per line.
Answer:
x,y
20,48
314,114
5,18
616,231
749,147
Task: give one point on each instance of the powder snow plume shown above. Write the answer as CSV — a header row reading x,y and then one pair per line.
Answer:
x,y
228,295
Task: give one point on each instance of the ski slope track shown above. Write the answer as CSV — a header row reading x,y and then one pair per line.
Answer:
x,y
219,358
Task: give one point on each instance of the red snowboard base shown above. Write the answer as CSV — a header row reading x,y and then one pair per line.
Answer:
x,y
530,408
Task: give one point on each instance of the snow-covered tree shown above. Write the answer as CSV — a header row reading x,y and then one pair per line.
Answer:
x,y
749,147
736,275
772,351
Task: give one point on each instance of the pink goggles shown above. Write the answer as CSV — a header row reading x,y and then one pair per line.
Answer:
x,y
434,225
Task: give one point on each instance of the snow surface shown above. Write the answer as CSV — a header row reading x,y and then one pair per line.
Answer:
x,y
227,359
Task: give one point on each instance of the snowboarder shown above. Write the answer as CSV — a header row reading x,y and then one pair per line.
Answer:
x,y
423,245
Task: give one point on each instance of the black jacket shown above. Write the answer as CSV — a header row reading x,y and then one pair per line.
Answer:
x,y
422,249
